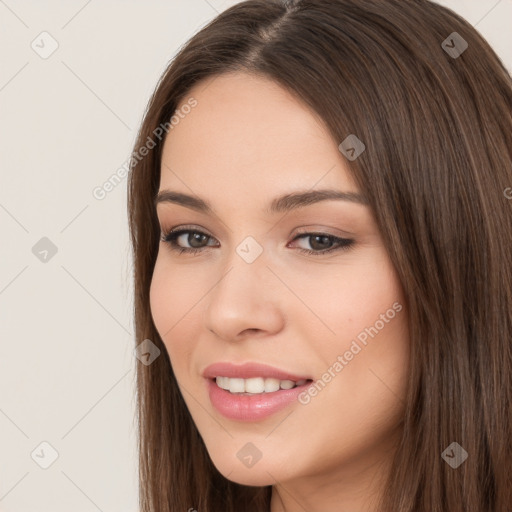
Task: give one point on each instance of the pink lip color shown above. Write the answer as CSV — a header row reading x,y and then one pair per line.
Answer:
x,y
250,407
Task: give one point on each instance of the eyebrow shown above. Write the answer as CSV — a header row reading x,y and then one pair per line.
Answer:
x,y
280,204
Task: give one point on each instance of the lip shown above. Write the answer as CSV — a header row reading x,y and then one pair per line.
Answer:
x,y
253,407
249,370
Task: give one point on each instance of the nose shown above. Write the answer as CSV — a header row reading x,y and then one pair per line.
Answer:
x,y
246,300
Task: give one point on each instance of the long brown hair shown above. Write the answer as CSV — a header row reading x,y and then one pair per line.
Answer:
x,y
434,110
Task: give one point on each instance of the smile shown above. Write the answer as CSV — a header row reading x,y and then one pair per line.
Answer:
x,y
255,385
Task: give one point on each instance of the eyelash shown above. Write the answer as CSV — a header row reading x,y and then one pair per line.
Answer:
x,y
344,244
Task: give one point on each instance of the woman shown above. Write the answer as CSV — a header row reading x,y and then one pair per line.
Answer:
x,y
322,239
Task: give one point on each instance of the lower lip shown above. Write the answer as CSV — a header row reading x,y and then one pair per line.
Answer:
x,y
251,407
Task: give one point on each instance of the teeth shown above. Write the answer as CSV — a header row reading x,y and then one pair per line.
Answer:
x,y
271,385
256,384
287,384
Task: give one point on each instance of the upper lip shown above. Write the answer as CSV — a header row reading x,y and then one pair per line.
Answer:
x,y
249,370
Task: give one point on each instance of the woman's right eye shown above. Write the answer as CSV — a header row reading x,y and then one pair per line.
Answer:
x,y
188,236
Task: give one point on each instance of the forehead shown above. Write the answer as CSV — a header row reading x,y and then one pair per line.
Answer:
x,y
249,137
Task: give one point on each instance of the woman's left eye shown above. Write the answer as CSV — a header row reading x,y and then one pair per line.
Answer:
x,y
195,238
321,239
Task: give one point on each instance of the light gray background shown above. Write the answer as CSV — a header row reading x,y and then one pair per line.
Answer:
x,y
68,122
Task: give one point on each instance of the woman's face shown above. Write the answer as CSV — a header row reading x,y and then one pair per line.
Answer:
x,y
252,294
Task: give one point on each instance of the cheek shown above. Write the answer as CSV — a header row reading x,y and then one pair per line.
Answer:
x,y
372,298
174,296
367,312
160,299
379,322
352,299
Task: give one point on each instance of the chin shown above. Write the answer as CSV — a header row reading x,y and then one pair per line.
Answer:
x,y
251,476
260,474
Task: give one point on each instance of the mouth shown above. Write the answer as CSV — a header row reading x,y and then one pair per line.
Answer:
x,y
252,391
253,399
256,385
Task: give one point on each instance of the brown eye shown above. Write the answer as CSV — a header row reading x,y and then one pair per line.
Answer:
x,y
195,239
321,243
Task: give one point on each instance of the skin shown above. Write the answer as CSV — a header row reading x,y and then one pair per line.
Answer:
x,y
247,141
